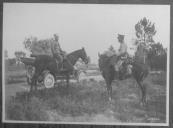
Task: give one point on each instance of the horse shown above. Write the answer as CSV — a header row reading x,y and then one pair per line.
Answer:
x,y
139,72
47,63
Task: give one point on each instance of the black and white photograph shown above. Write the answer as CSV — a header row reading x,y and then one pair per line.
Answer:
x,y
98,64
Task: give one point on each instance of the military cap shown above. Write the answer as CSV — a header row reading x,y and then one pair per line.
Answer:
x,y
56,37
120,36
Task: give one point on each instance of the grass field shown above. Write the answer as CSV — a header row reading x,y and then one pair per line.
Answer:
x,y
87,101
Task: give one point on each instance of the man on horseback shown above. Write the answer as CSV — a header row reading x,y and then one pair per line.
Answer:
x,y
58,53
122,52
56,50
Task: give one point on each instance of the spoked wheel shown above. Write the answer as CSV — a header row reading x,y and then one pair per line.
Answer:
x,y
49,80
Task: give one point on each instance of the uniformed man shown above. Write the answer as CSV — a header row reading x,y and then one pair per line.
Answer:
x,y
121,52
56,50
58,54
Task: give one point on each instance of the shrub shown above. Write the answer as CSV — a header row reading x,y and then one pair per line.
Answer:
x,y
159,79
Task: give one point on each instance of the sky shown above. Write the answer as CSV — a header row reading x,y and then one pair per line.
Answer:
x,y
92,26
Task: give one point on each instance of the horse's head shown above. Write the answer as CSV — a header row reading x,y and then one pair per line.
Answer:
x,y
84,56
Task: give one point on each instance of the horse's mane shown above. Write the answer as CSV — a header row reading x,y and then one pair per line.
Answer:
x,y
75,55
74,52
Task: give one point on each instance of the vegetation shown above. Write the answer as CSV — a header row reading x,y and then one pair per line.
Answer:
x,y
145,31
19,54
36,46
87,101
14,73
157,57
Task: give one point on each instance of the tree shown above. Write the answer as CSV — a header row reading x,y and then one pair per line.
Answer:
x,y
157,56
28,42
19,54
145,30
157,49
37,46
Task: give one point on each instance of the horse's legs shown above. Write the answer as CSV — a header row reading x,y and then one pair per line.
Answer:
x,y
109,94
109,90
67,80
31,84
143,90
34,82
31,88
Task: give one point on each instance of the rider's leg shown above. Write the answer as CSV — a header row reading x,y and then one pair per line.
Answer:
x,y
116,68
118,65
58,60
70,64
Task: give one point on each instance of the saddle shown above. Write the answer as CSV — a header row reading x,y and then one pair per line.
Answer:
x,y
124,67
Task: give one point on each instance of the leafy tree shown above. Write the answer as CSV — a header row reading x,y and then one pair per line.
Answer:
x,y
157,49
19,54
145,30
28,43
36,46
157,56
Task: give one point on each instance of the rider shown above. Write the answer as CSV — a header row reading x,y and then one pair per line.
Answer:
x,y
56,50
58,53
121,52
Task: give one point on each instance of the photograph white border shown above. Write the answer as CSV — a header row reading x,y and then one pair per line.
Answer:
x,y
90,123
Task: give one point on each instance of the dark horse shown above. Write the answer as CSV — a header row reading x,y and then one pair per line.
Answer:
x,y
139,72
47,63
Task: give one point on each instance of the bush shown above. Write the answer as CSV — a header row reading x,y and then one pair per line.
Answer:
x,y
159,62
159,79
